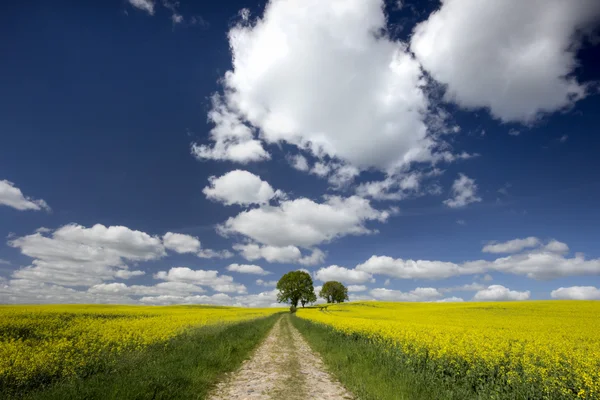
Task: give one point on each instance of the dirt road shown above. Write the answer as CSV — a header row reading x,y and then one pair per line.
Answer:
x,y
283,367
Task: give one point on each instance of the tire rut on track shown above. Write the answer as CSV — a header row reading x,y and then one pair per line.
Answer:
x,y
283,367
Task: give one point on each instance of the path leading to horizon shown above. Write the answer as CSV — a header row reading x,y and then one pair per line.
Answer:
x,y
283,367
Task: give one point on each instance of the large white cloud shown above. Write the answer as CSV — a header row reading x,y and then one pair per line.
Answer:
x,y
321,75
283,254
210,278
11,196
512,246
500,293
418,294
414,269
342,274
464,191
544,263
144,5
181,243
247,269
240,187
514,57
303,222
78,256
576,293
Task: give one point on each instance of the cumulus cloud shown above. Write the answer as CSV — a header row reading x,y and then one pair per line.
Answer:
x,y
541,264
209,253
414,269
418,294
181,243
342,274
356,96
513,246
212,279
11,196
357,288
576,293
240,187
282,254
74,255
247,269
452,299
514,57
469,287
464,191
144,5
303,222
264,299
299,162
261,282
500,293
233,140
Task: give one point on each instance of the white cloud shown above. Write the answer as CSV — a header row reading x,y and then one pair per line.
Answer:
x,y
78,256
393,187
576,293
514,57
233,140
464,191
4,262
11,196
209,253
261,282
144,5
341,274
283,254
500,293
413,269
25,291
247,269
419,294
212,279
304,223
126,274
557,247
181,243
240,187
264,299
354,96
512,246
299,162
470,287
450,300
540,264
357,288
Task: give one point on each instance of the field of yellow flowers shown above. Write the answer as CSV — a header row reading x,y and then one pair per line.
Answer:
x,y
542,349
41,343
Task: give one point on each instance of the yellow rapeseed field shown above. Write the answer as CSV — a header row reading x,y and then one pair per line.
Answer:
x,y
549,349
40,343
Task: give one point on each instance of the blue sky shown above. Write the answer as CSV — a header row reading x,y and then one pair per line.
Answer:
x,y
172,152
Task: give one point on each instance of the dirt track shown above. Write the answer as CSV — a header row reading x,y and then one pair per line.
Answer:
x,y
283,367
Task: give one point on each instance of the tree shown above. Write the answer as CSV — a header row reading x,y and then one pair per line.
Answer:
x,y
334,292
294,287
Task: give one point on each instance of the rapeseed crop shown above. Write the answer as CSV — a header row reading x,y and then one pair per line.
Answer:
x,y
542,349
41,343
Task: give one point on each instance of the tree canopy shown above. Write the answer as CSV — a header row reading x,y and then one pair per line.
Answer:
x,y
334,292
294,287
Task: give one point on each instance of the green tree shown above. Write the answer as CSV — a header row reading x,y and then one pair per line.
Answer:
x,y
334,292
296,286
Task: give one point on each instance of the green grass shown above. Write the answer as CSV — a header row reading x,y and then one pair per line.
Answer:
x,y
373,372
187,368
